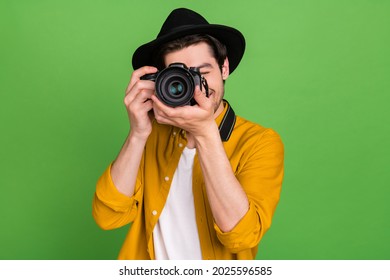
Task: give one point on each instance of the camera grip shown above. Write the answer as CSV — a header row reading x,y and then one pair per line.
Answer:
x,y
149,77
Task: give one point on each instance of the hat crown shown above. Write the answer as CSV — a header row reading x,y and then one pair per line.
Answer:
x,y
179,18
184,22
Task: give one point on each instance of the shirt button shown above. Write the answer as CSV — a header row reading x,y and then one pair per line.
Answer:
x,y
166,178
154,212
180,145
174,133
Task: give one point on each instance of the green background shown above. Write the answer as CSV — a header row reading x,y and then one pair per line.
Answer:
x,y
318,72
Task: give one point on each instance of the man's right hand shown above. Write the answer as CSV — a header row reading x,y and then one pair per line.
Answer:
x,y
124,169
138,102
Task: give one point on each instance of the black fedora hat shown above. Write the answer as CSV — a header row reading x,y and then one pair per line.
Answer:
x,y
182,22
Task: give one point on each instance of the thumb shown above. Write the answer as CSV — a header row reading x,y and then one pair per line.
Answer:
x,y
200,97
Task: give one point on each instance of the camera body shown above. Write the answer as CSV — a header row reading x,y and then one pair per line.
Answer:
x,y
175,85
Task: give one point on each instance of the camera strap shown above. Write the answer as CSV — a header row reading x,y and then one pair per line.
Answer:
x,y
227,124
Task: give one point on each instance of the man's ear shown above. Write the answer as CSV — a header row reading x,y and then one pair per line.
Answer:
x,y
225,69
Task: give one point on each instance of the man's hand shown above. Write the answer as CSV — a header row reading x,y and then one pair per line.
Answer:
x,y
195,119
138,102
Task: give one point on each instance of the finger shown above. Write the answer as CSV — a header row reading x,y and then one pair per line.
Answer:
x,y
144,94
137,74
138,111
161,118
164,109
140,85
138,88
139,97
140,108
148,105
200,97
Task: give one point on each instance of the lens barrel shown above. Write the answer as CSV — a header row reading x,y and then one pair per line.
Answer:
x,y
175,86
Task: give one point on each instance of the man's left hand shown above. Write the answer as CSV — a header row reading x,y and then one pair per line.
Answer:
x,y
195,119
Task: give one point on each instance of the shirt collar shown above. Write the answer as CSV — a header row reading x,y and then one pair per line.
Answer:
x,y
226,121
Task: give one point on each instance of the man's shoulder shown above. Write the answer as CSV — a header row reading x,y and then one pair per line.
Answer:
x,y
248,137
251,129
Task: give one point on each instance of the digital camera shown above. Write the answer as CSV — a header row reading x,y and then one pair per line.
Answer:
x,y
175,85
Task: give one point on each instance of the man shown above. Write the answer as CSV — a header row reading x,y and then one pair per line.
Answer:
x,y
196,182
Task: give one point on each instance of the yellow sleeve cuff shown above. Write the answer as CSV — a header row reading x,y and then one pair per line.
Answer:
x,y
108,194
245,235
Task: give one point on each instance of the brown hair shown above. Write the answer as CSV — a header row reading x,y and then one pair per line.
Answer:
x,y
218,49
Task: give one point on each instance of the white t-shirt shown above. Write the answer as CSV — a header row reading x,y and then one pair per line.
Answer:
x,y
175,235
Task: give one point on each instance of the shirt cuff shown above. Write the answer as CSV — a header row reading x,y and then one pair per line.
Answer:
x,y
245,235
109,194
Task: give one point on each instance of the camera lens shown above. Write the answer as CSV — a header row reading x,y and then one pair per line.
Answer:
x,y
175,86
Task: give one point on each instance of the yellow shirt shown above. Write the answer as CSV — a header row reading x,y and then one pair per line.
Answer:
x,y
256,156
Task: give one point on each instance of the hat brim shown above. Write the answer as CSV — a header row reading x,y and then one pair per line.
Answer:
x,y
230,37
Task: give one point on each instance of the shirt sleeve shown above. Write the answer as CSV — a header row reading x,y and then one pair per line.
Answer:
x,y
261,177
110,208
